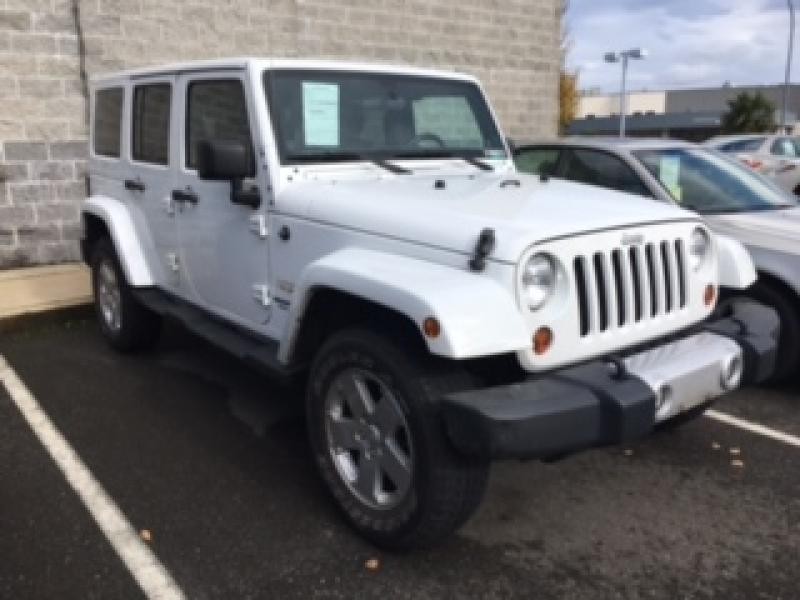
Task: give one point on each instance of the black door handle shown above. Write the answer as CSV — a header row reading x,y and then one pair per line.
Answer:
x,y
184,196
134,185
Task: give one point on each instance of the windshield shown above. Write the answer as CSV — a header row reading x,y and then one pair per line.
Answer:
x,y
337,116
707,182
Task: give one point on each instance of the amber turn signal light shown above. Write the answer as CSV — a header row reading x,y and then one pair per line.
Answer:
x,y
431,327
542,340
710,295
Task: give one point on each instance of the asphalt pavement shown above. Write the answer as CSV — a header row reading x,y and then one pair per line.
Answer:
x,y
211,459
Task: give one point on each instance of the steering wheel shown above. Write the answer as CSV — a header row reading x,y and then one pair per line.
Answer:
x,y
428,137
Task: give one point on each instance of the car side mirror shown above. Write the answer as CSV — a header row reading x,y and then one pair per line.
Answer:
x,y
219,160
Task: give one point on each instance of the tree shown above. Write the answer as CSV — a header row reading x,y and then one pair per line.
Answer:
x,y
749,113
568,96
568,99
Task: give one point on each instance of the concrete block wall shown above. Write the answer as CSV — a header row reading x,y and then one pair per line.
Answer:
x,y
49,47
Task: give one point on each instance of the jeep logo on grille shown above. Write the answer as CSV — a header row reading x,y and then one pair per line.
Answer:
x,y
632,239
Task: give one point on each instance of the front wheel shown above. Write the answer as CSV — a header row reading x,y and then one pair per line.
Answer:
x,y
378,441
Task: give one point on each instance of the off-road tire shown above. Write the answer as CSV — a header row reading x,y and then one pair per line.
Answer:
x,y
446,487
139,328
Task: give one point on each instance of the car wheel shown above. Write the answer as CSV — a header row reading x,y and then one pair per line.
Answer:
x,y
125,323
787,306
377,438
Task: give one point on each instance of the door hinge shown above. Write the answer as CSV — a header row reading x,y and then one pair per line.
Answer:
x,y
258,225
261,294
173,261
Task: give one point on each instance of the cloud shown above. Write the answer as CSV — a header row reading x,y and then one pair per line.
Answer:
x,y
692,43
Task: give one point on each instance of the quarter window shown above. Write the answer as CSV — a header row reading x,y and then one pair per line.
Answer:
x,y
151,110
604,170
216,110
107,121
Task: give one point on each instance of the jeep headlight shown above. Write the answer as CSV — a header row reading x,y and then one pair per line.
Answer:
x,y
538,280
699,248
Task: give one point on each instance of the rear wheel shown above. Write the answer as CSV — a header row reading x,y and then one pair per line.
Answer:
x,y
125,323
377,438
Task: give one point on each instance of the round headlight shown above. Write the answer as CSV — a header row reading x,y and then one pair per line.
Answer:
x,y
699,247
538,280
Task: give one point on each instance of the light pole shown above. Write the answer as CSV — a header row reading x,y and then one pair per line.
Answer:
x,y
788,68
623,57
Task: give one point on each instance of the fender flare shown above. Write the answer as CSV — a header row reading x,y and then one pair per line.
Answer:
x,y
736,268
478,317
122,230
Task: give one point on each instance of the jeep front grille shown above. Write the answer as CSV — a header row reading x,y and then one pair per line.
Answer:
x,y
629,285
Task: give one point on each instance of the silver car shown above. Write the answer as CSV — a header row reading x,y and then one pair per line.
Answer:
x,y
732,198
775,156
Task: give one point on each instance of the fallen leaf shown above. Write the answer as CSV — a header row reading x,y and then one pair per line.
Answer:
x,y
735,451
715,446
628,452
146,535
737,463
372,564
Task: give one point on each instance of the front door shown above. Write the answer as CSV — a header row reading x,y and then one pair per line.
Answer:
x,y
223,245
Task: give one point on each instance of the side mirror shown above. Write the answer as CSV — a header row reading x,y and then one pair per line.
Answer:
x,y
219,160
224,160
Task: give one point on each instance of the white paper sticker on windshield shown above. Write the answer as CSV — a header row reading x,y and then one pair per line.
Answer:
x,y
321,114
669,173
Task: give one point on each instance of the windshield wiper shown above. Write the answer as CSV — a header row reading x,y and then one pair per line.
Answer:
x,y
475,162
348,156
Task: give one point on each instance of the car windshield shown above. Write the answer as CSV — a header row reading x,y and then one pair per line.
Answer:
x,y
340,116
708,182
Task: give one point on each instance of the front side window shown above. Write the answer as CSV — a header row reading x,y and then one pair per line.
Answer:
x,y
537,160
331,115
107,124
708,182
215,110
151,110
603,169
787,147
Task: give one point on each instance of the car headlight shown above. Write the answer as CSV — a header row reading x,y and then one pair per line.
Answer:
x,y
699,247
538,280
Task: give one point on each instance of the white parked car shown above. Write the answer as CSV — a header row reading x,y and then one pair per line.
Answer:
x,y
363,229
731,198
775,156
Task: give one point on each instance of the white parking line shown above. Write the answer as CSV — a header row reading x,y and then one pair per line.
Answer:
x,y
149,573
754,427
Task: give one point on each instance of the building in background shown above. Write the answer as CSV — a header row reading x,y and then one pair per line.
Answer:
x,y
692,114
48,49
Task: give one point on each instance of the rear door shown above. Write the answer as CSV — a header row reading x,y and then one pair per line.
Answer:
x,y
223,245
149,178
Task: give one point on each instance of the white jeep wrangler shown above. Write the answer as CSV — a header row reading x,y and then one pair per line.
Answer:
x,y
363,228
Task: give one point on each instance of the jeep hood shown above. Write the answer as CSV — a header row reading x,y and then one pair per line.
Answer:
x,y
450,214
777,230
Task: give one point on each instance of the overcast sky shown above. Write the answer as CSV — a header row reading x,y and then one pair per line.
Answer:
x,y
692,43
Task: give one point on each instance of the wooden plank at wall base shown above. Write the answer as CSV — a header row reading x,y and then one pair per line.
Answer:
x,y
39,289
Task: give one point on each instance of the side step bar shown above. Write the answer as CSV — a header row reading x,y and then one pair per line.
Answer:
x,y
251,348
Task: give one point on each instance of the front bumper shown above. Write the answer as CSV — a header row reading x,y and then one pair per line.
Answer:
x,y
611,401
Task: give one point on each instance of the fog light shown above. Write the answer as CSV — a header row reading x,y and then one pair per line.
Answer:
x,y
709,295
542,340
732,373
431,327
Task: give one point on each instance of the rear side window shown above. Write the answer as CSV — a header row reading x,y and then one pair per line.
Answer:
x,y
107,121
604,170
216,110
151,108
